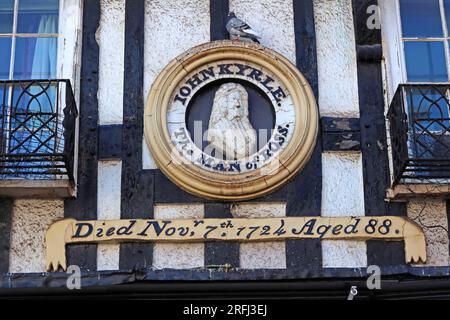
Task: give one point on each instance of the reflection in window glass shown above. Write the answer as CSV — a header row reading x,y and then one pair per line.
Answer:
x,y
428,104
425,62
32,107
6,16
447,11
421,18
428,110
2,90
38,16
34,99
5,57
35,58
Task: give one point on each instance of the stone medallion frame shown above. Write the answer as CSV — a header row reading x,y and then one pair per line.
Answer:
x,y
243,185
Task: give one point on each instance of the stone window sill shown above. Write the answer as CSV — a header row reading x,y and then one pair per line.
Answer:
x,y
15,188
403,192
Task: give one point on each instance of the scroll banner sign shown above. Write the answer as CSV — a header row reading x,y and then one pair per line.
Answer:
x,y
70,231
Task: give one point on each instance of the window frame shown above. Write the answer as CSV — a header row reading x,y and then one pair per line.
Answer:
x,y
68,64
394,49
70,29
14,35
68,56
445,39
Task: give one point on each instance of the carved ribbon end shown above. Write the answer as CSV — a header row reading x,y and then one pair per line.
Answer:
x,y
415,249
55,242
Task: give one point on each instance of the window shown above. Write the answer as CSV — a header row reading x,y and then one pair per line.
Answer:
x,y
28,39
40,58
425,38
417,43
29,118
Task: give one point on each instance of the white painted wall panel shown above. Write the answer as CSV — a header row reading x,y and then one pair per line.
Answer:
x,y
392,47
179,255
69,52
343,195
171,27
344,254
69,42
342,184
108,208
431,215
273,20
31,219
336,58
110,37
261,255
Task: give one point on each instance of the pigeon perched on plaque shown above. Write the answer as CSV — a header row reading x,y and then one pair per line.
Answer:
x,y
239,30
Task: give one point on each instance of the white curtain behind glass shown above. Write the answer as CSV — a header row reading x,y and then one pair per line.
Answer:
x,y
44,59
44,67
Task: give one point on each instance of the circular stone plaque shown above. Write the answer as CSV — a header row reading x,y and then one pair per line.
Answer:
x,y
230,121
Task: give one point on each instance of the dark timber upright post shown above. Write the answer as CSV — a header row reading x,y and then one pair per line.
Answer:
x,y
84,207
6,208
110,142
137,185
220,253
306,254
373,134
219,11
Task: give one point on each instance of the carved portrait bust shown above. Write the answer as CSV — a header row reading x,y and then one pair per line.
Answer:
x,y
230,132
230,121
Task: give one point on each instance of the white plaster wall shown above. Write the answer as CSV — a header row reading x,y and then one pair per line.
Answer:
x,y
30,221
147,159
342,184
392,48
179,255
336,58
261,255
108,208
431,215
273,20
343,195
171,27
110,37
344,254
69,42
393,61
69,52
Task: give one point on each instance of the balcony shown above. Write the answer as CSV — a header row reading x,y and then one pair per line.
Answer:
x,y
37,138
420,139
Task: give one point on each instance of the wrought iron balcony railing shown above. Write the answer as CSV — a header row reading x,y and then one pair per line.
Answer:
x,y
37,129
420,133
